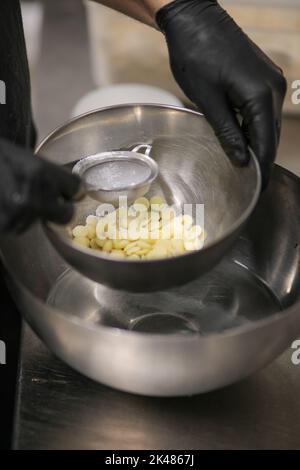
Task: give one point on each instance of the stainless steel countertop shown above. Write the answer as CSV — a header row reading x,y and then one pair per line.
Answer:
x,y
60,409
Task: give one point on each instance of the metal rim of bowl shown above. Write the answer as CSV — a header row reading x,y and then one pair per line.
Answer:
x,y
88,252
90,161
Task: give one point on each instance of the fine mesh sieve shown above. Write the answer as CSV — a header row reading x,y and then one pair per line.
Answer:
x,y
107,176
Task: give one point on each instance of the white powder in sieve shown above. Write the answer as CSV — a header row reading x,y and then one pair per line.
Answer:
x,y
117,174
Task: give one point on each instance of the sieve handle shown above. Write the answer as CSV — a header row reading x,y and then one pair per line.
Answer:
x,y
142,148
81,193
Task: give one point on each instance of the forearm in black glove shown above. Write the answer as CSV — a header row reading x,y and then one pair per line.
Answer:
x,y
222,71
32,188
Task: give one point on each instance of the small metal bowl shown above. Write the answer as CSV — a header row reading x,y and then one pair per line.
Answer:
x,y
107,176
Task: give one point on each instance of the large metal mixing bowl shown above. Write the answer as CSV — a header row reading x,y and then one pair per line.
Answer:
x,y
193,169
196,338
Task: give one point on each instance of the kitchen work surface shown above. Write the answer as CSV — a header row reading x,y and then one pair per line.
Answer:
x,y
60,409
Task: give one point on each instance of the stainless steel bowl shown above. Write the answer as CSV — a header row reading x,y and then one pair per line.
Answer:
x,y
213,332
193,169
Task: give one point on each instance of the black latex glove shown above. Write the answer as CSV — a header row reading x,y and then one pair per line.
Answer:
x,y
222,71
32,188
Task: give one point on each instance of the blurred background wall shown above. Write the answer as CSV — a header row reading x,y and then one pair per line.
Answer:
x,y
122,50
75,47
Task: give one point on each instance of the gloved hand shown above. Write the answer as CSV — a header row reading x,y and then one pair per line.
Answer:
x,y
32,188
222,71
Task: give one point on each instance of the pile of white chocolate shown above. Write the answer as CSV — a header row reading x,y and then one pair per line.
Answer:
x,y
149,229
